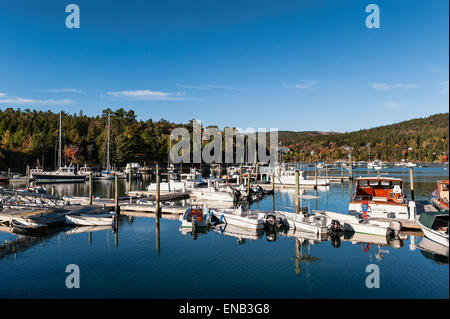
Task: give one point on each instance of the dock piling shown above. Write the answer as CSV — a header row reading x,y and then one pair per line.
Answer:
x,y
90,188
116,195
157,209
297,189
411,180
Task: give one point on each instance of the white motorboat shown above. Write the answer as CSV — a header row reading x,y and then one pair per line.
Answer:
x,y
305,222
358,224
195,216
90,219
239,217
434,226
212,193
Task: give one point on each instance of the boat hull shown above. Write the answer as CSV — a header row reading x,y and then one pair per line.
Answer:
x,y
89,220
434,235
48,178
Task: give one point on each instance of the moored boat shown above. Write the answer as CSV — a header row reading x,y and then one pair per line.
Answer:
x,y
242,218
434,226
195,216
440,197
90,219
27,227
380,197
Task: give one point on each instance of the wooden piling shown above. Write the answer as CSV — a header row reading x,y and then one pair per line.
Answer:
x,y
157,208
90,188
350,166
195,177
297,190
116,195
129,179
315,175
411,180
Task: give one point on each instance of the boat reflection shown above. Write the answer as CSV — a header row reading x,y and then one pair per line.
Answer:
x,y
434,251
240,233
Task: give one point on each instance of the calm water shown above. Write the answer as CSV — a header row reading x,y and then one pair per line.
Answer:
x,y
141,262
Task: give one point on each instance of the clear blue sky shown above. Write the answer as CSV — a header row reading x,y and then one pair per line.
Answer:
x,y
291,65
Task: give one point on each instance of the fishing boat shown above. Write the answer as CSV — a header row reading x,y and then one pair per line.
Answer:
x,y
434,226
358,224
242,218
64,174
27,226
195,216
440,197
90,219
380,197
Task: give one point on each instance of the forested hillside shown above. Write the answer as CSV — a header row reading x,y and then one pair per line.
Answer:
x,y
27,135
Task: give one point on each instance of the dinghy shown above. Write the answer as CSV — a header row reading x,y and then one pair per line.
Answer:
x,y
90,219
27,227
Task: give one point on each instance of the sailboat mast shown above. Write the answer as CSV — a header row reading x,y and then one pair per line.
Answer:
x,y
60,141
108,165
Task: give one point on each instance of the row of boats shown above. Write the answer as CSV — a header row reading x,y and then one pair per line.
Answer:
x,y
378,207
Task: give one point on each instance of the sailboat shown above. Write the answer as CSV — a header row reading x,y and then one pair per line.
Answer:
x,y
106,174
64,174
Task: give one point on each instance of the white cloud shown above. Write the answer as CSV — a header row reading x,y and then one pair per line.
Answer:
x,y
5,99
147,95
210,86
303,85
385,86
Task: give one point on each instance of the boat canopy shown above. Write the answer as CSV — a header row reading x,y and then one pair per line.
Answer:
x,y
427,219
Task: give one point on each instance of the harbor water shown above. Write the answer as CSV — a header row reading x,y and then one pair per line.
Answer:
x,y
142,261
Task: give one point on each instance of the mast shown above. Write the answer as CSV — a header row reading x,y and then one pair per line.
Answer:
x,y
60,141
108,165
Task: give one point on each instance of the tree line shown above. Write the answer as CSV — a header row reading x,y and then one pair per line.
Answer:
x,y
29,135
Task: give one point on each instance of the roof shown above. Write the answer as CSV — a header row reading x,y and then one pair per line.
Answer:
x,y
379,178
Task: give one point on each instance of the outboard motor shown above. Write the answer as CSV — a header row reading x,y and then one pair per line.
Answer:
x,y
335,226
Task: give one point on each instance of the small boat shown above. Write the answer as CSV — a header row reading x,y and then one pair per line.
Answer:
x,y
355,223
440,197
90,219
242,218
212,193
381,196
28,227
195,216
434,226
304,221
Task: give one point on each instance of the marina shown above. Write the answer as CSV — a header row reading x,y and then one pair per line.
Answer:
x,y
307,236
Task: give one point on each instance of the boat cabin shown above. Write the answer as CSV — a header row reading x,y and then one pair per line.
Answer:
x,y
379,190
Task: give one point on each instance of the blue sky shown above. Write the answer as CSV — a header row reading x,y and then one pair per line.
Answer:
x,y
291,65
